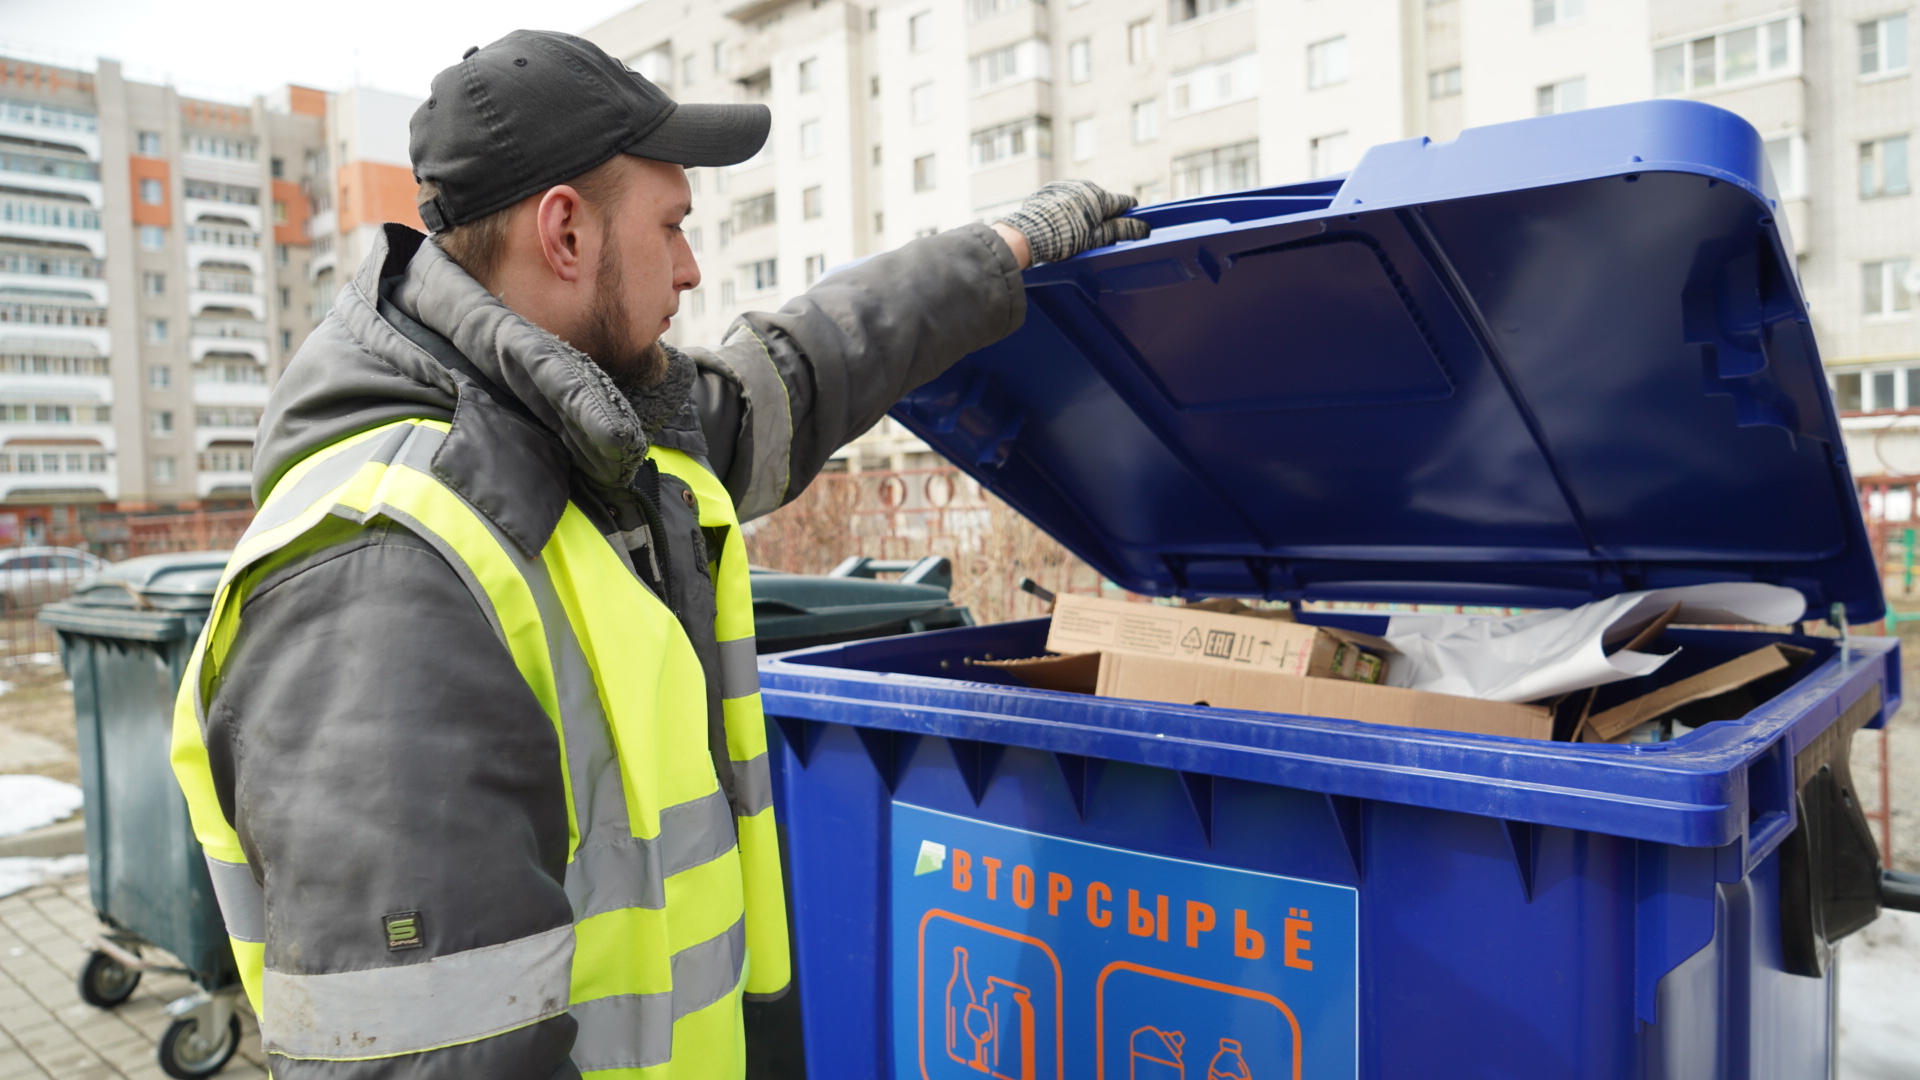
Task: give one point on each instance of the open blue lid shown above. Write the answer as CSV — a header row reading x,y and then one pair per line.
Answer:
x,y
1550,361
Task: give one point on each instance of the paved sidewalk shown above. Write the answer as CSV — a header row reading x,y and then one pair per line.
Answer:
x,y
48,1033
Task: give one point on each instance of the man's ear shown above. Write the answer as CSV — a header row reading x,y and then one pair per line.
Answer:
x,y
558,220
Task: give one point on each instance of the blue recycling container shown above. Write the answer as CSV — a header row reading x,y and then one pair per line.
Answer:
x,y
1546,363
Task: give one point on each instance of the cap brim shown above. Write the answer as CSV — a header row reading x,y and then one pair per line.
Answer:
x,y
707,135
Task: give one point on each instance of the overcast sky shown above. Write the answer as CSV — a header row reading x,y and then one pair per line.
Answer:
x,y
233,50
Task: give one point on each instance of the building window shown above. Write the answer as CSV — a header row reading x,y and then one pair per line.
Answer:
x,y
753,213
689,67
762,276
922,234
155,283
153,238
923,178
159,376
1029,59
1010,142
1148,193
156,330
726,294
1228,168
1768,50
873,86
1560,97
1787,157
1085,139
697,302
1210,86
1327,154
809,138
277,168
694,238
985,9
1883,167
160,422
726,232
1443,83
280,254
1877,390
286,298
816,268
1327,63
719,58
1146,120
152,192
1883,45
809,74
876,155
1549,12
920,103
279,212
1187,10
1883,287
1140,41
656,65
163,470
286,341
879,221
148,144
1080,60
812,203
920,32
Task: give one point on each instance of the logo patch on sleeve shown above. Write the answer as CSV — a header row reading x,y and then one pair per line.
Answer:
x,y
403,930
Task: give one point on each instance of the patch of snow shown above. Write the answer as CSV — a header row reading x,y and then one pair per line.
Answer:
x,y
5,687
34,658
28,802
24,872
1879,986
67,685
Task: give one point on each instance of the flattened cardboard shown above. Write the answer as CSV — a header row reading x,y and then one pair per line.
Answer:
x,y
1078,673
1615,723
1196,635
1150,678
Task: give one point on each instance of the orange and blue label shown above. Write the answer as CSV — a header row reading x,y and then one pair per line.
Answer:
x,y
1022,956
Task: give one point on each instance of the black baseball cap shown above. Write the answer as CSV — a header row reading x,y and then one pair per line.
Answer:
x,y
537,108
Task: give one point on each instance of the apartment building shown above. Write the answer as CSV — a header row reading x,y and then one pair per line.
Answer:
x,y
895,118
153,257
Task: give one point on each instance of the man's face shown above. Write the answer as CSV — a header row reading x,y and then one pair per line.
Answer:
x,y
644,266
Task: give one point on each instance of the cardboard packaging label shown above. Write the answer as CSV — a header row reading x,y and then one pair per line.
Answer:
x,y
1082,624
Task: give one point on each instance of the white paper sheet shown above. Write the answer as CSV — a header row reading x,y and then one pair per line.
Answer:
x,y
1539,655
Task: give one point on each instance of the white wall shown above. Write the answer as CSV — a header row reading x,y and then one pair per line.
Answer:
x,y
1369,106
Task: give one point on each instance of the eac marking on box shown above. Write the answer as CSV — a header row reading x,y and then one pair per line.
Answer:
x,y
1021,956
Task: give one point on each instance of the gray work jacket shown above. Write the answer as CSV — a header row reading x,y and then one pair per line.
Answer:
x,y
371,739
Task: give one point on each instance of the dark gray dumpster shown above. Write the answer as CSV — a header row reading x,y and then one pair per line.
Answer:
x,y
125,637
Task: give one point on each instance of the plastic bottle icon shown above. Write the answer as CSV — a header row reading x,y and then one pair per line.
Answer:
x,y
1228,1064
1156,1055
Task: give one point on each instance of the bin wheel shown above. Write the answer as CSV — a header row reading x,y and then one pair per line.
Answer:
x,y
186,1054
106,982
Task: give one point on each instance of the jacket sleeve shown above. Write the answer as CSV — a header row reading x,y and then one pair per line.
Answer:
x,y
396,788
788,388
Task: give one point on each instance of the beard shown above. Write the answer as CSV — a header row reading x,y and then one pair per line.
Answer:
x,y
609,337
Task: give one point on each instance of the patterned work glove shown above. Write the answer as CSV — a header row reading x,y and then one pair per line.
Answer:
x,y
1068,217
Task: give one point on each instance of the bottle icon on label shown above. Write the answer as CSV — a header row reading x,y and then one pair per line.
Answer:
x,y
1156,1055
991,1033
1228,1064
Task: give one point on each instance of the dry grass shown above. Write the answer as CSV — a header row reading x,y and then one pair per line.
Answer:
x,y
907,515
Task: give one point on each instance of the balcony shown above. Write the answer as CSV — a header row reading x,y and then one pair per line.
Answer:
x,y
27,387
225,289
51,124
227,336
61,269
229,382
202,209
225,466
60,221
52,320
35,464
52,172
210,243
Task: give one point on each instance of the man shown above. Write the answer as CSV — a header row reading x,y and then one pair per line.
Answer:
x,y
473,739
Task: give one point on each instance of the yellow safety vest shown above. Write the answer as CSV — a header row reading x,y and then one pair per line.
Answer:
x,y
673,890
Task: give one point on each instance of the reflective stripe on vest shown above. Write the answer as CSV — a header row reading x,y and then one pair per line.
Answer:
x,y
667,905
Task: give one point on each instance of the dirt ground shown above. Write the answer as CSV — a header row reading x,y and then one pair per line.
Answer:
x,y
36,721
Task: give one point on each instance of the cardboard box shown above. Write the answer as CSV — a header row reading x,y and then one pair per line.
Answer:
x,y
1195,634
1183,682
1615,724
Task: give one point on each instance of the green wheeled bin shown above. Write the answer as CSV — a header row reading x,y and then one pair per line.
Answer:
x,y
125,637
